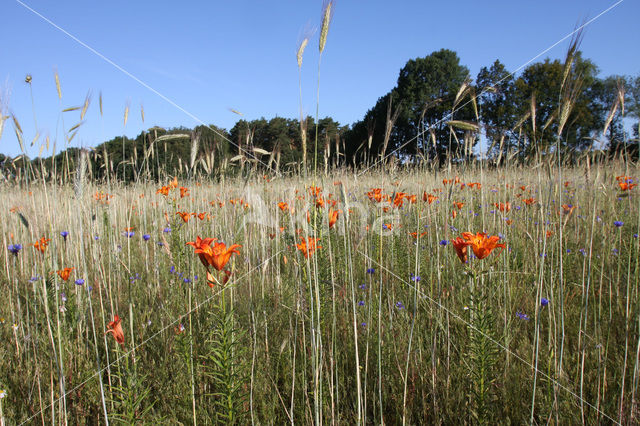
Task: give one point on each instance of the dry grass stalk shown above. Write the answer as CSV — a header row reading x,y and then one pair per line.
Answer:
x,y
195,142
300,52
87,101
58,84
126,114
327,13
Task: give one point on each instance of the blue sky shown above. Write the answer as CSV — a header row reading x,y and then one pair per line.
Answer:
x,y
209,56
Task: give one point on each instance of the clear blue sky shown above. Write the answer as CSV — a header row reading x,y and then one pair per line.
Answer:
x,y
209,56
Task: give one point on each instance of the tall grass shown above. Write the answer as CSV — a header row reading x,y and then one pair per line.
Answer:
x,y
445,347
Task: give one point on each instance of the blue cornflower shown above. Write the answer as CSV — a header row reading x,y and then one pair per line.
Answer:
x,y
361,303
399,305
64,234
522,316
544,301
186,280
415,278
172,269
362,286
166,230
15,248
363,324
34,279
635,235
444,242
160,243
146,237
130,234
618,223
96,238
371,270
79,281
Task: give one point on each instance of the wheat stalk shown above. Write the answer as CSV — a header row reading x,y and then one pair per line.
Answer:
x,y
327,13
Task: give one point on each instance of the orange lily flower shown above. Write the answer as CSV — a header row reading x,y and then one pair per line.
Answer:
x,y
430,198
184,192
567,209
503,207
309,246
283,206
116,329
481,244
185,216
201,246
220,254
458,204
398,200
529,201
415,234
164,191
174,183
375,194
333,216
217,256
65,273
42,244
461,245
314,191
201,216
625,186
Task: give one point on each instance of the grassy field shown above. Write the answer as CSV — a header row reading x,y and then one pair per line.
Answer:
x,y
380,321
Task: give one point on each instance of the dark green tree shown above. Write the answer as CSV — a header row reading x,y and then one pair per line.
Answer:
x,y
546,87
498,110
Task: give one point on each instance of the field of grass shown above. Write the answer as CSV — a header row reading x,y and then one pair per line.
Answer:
x,y
382,322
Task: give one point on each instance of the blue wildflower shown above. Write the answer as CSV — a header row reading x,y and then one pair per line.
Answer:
x,y
618,223
146,237
64,234
444,242
399,305
79,281
522,316
544,301
362,286
15,248
371,270
166,230
361,303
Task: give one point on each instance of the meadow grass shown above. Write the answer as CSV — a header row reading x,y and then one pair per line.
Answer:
x,y
375,326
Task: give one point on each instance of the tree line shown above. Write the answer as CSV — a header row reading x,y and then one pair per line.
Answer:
x,y
436,113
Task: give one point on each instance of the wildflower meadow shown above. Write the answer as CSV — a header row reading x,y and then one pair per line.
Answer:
x,y
276,274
